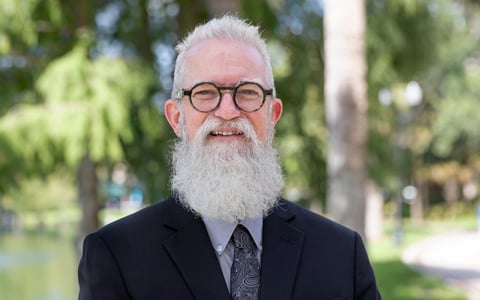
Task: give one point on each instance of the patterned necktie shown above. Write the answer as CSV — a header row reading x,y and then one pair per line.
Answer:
x,y
245,273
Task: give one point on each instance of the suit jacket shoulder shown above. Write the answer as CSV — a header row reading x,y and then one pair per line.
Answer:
x,y
321,259
160,252
312,223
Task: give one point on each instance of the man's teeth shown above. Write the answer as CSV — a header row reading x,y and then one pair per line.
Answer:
x,y
226,133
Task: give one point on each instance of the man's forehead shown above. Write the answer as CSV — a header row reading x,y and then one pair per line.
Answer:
x,y
230,83
223,51
223,63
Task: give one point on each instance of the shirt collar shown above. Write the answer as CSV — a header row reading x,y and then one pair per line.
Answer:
x,y
220,231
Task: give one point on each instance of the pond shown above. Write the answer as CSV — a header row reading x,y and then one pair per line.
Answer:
x,y
37,267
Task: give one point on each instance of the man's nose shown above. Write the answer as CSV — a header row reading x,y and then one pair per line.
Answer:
x,y
227,109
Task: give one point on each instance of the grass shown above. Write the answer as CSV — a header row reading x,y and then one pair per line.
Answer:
x,y
397,281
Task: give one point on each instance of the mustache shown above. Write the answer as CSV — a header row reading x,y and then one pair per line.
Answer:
x,y
214,124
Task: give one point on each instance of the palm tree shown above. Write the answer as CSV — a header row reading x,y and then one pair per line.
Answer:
x,y
346,108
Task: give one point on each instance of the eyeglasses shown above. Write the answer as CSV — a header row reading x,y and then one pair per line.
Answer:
x,y
206,96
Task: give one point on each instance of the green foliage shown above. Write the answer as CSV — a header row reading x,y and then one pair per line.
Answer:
x,y
455,133
40,195
262,12
17,20
405,38
85,110
456,128
431,42
32,32
21,21
64,94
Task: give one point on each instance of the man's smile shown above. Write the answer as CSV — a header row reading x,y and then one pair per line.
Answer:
x,y
226,133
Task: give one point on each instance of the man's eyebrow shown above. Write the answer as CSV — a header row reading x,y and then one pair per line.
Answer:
x,y
256,80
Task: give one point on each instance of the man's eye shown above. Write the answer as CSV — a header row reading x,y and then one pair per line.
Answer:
x,y
248,94
205,93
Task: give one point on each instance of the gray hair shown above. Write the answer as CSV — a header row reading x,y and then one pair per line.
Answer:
x,y
226,27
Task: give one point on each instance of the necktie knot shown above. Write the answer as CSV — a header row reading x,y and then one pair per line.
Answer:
x,y
242,239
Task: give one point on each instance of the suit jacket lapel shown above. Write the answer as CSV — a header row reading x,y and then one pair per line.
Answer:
x,y
282,248
191,250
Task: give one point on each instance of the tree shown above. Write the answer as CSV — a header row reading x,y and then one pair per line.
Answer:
x,y
82,122
346,109
86,105
435,44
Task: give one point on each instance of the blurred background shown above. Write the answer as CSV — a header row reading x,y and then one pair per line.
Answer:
x,y
83,140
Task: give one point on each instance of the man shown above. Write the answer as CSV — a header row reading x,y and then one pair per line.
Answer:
x,y
225,233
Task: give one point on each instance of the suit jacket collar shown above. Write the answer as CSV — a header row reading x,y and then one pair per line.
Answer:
x,y
191,250
282,248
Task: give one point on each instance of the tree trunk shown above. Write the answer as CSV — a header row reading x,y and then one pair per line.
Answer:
x,y
417,206
88,198
451,191
82,15
218,8
86,173
374,213
193,12
346,108
144,39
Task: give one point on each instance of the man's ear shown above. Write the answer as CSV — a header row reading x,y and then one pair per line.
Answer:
x,y
277,109
172,113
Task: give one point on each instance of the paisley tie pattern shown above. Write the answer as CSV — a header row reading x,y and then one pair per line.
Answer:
x,y
245,272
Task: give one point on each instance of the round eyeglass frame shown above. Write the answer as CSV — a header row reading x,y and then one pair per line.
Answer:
x,y
184,92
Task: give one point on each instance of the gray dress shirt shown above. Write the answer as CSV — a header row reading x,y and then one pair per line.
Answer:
x,y
220,232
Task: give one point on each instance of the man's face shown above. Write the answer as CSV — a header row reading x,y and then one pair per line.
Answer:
x,y
225,63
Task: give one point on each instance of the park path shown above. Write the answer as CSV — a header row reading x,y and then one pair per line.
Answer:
x,y
453,257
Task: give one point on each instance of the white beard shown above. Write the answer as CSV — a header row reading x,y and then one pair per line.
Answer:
x,y
227,181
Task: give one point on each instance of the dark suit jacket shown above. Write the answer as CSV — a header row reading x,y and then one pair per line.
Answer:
x,y
164,252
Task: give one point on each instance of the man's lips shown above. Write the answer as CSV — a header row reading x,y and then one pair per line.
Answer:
x,y
226,132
